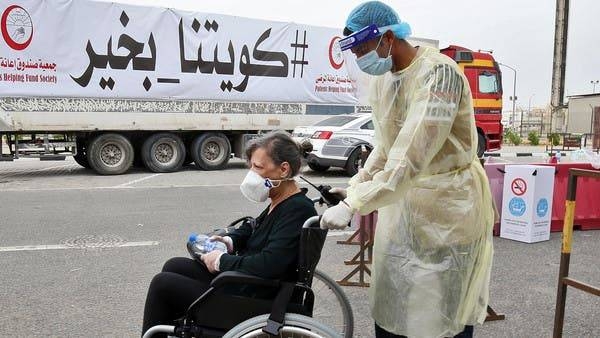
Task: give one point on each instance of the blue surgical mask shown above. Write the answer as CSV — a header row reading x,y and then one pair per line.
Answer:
x,y
372,63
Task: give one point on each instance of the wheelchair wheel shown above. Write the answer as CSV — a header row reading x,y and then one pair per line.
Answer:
x,y
332,305
296,326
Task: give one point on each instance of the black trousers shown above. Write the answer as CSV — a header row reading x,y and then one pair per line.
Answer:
x,y
173,290
381,333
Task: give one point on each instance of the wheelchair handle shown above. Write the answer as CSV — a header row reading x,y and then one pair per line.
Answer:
x,y
159,329
326,197
311,222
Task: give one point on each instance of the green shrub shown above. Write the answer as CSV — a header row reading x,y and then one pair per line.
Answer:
x,y
554,139
505,137
513,137
533,138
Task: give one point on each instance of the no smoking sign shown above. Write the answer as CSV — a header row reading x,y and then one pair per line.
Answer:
x,y
518,186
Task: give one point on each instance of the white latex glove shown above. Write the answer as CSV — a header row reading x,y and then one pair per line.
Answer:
x,y
341,192
337,217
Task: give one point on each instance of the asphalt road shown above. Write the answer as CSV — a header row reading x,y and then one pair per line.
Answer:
x,y
81,281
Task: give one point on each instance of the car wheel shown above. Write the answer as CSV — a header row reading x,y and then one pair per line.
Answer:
x,y
353,162
317,167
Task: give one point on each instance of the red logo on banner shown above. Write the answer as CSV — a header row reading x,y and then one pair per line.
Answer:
x,y
518,186
17,28
335,53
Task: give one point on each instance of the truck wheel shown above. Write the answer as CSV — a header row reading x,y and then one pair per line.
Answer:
x,y
110,154
480,145
318,168
163,153
211,151
352,162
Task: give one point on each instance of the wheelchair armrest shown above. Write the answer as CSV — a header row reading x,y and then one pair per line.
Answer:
x,y
235,277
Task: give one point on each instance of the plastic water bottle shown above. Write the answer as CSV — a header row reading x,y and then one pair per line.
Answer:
x,y
201,244
558,154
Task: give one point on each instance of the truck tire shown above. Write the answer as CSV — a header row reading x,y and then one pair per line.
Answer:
x,y
317,167
110,154
352,162
211,151
480,145
163,153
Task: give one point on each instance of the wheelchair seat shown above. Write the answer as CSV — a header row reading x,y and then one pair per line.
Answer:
x,y
223,305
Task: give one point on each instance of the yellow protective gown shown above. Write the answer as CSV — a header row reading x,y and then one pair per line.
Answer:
x,y
433,245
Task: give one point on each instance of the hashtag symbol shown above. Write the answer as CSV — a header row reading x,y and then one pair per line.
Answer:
x,y
296,45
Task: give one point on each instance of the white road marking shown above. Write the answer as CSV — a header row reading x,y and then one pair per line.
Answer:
x,y
497,160
65,247
136,181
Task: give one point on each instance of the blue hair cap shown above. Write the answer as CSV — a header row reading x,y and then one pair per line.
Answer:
x,y
380,14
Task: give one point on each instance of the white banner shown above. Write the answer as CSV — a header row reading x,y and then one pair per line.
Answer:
x,y
68,48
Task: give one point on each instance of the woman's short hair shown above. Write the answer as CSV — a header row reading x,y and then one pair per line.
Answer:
x,y
280,147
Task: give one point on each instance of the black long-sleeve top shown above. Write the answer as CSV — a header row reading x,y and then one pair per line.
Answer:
x,y
271,250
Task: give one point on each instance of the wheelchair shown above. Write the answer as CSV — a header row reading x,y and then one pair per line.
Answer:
x,y
288,314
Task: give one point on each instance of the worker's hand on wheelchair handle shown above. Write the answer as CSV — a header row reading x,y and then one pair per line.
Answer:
x,y
337,217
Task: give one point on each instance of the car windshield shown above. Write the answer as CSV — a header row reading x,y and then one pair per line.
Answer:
x,y
336,121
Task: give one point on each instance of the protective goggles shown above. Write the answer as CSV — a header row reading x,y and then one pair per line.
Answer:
x,y
363,35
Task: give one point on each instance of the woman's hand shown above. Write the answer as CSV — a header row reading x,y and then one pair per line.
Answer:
x,y
211,259
225,240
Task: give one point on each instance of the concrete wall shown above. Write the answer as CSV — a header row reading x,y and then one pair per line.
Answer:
x,y
579,118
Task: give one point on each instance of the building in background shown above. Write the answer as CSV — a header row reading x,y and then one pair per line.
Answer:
x,y
583,115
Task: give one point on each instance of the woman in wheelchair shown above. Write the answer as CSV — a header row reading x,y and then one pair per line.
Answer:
x,y
268,250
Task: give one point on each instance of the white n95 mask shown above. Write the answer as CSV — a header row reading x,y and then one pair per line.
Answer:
x,y
256,188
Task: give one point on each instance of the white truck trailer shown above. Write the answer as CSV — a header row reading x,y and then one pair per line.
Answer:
x,y
114,84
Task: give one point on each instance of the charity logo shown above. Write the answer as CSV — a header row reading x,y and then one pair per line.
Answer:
x,y
335,53
17,27
517,206
542,207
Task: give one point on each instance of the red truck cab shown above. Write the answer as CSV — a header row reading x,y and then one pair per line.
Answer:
x,y
485,80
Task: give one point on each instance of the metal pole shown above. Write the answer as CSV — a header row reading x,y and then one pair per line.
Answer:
x,y
560,58
514,97
591,119
521,125
565,256
529,114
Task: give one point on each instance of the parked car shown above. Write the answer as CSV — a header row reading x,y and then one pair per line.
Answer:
x,y
337,141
